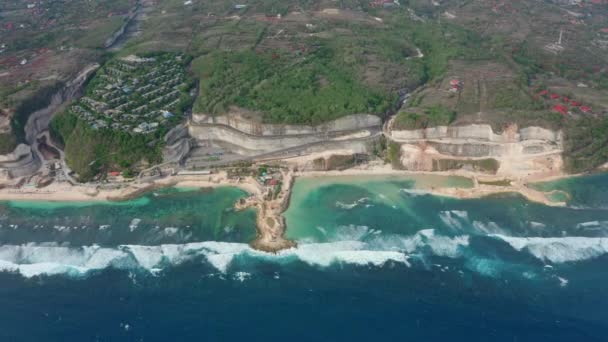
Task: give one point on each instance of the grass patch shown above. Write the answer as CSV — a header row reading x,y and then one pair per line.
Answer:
x,y
431,117
96,37
502,182
488,165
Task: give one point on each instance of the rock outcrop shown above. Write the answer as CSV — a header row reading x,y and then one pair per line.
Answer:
x,y
177,144
21,162
514,152
248,137
252,127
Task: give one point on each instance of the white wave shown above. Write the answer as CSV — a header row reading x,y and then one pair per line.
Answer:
x,y
592,225
537,225
487,228
559,249
415,192
134,224
170,231
454,219
241,276
349,206
377,250
349,252
484,266
588,224
346,206
34,260
451,247
352,232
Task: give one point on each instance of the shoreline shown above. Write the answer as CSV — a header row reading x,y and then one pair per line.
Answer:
x,y
65,192
270,207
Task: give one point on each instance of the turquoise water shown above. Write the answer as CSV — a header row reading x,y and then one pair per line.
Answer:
x,y
582,192
174,215
378,259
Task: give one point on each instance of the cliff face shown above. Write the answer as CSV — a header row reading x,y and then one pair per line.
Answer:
x,y
25,159
513,153
20,162
482,133
247,126
250,137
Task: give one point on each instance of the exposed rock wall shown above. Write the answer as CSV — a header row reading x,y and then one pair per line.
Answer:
x,y
259,144
249,137
238,122
39,120
517,151
480,133
21,162
177,144
25,159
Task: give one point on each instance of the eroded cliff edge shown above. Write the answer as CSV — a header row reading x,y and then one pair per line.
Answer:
x,y
515,152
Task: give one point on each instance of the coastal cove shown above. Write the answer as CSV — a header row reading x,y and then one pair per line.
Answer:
x,y
370,234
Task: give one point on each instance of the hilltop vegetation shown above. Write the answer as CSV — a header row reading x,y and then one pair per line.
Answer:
x,y
286,90
128,107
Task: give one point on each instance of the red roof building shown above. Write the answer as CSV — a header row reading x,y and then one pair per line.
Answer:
x,y
586,109
563,110
543,92
555,96
575,103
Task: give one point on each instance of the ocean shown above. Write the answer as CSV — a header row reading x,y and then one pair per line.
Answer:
x,y
379,259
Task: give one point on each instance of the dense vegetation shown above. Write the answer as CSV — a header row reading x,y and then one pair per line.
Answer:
x,y
8,142
586,144
285,89
91,152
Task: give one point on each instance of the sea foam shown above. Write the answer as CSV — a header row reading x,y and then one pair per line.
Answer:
x,y
559,249
33,260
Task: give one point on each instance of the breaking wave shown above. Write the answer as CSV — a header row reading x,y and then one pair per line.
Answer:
x,y
348,206
363,247
559,249
50,259
415,192
455,220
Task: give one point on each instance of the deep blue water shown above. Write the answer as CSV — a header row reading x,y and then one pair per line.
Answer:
x,y
397,265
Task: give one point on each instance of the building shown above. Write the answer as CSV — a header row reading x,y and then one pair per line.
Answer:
x,y
563,110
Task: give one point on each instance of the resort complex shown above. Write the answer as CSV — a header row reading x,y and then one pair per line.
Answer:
x,y
136,94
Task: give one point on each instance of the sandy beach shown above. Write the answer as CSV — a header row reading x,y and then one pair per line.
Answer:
x,y
67,192
64,191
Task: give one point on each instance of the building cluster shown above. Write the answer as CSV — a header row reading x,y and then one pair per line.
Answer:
x,y
133,94
563,104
